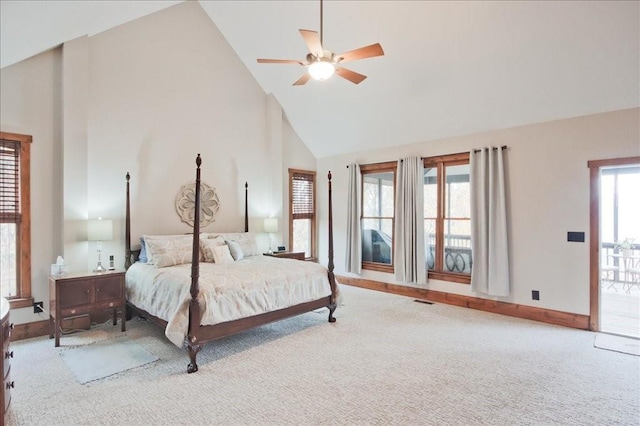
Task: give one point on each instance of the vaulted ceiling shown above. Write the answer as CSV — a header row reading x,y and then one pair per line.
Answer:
x,y
450,68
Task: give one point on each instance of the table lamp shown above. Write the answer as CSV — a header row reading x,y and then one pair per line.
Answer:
x,y
270,226
100,230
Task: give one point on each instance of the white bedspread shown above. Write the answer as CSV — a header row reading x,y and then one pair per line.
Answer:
x,y
248,287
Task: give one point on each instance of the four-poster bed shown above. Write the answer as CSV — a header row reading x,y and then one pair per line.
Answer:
x,y
214,308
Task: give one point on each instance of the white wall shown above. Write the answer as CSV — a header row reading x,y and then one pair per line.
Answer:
x,y
75,99
30,102
548,192
145,98
296,156
163,89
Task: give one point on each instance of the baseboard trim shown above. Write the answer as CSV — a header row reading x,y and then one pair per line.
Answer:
x,y
511,309
41,328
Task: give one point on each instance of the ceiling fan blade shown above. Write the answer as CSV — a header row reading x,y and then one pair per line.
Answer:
x,y
312,38
361,53
302,80
352,76
280,61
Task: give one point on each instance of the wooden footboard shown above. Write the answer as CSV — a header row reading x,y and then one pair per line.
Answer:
x,y
198,334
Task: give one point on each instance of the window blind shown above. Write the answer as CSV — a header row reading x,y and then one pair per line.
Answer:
x,y
9,181
302,196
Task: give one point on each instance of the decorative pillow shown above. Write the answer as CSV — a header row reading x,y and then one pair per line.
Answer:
x,y
222,255
219,240
168,252
146,253
142,257
207,246
246,240
235,249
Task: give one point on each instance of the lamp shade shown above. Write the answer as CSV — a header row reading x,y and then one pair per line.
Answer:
x,y
321,70
271,224
100,230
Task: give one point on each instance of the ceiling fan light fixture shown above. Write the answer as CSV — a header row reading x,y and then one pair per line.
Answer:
x,y
321,70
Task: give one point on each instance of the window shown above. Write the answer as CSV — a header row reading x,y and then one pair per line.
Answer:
x,y
15,219
447,212
378,207
302,208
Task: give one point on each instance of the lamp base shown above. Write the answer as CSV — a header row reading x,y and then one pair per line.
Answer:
x,y
99,268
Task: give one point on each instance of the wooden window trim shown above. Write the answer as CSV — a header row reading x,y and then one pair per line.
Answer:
x,y
23,299
451,159
376,167
313,219
390,166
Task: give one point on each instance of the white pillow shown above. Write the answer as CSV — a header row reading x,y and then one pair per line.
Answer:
x,y
235,249
222,255
207,246
247,241
169,251
149,254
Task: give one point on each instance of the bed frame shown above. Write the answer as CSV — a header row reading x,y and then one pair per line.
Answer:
x,y
198,334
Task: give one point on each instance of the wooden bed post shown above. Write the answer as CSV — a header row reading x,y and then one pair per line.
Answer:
x,y
330,266
246,208
127,232
193,345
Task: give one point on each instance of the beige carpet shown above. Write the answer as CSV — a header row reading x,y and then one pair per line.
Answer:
x,y
387,360
625,345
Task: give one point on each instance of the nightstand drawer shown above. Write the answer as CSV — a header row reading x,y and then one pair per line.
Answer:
x,y
7,354
8,385
6,333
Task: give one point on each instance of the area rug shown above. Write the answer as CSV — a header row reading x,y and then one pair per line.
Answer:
x,y
102,359
626,345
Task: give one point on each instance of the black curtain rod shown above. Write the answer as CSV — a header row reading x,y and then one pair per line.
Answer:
x,y
502,147
475,150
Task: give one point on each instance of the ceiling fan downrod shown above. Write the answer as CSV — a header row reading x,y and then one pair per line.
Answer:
x,y
321,42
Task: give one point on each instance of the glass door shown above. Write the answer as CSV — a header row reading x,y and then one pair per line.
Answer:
x,y
619,248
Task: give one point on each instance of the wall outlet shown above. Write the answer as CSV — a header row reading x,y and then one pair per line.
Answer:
x,y
38,307
535,294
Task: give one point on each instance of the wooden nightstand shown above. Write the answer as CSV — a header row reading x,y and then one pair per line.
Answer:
x,y
77,294
287,254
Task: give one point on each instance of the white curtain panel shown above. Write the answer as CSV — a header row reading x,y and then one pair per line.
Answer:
x,y
490,271
409,255
353,258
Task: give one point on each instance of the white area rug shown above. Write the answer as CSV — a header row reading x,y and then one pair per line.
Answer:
x,y
106,358
610,342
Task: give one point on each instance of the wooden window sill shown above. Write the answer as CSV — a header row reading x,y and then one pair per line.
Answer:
x,y
22,302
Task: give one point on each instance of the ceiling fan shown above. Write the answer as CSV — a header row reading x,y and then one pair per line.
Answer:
x,y
323,63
